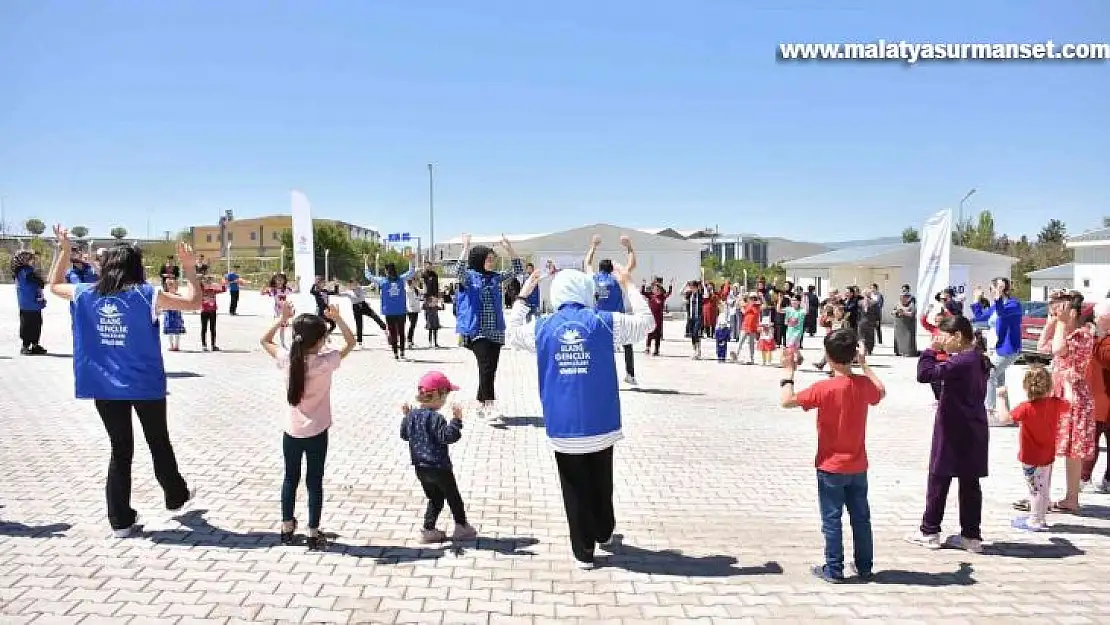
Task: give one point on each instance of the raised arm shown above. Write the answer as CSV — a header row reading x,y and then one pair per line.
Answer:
x,y
930,369
518,334
634,326
57,277
516,266
627,244
588,262
461,267
188,298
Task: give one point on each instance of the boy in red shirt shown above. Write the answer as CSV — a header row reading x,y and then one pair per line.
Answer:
x,y
842,402
1039,418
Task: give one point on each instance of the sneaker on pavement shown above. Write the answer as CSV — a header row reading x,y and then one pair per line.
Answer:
x,y
821,572
611,543
432,536
970,545
128,532
630,380
464,532
184,504
585,565
861,575
1024,524
929,541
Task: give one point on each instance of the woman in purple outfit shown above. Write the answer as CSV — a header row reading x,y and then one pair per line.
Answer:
x,y
960,432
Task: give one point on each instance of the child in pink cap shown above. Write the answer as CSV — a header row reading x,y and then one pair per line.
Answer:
x,y
428,434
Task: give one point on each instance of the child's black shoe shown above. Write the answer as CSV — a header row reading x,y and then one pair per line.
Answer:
x,y
287,538
317,542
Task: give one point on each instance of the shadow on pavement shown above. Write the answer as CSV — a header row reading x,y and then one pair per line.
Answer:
x,y
1055,549
657,391
505,423
961,577
673,562
1080,530
384,554
199,532
20,530
172,375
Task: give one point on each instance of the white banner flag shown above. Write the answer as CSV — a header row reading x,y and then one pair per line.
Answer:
x,y
936,251
304,262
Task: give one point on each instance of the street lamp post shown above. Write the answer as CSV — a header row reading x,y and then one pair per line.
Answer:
x,y
431,212
228,258
326,254
281,262
962,202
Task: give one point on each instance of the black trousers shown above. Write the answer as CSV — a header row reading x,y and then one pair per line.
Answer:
x,y
971,505
487,354
234,308
363,309
439,485
587,482
879,331
207,322
413,318
30,327
396,330
116,415
867,335
629,361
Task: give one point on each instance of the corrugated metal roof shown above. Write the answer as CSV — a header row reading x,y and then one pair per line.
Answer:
x,y
1059,272
1102,234
848,255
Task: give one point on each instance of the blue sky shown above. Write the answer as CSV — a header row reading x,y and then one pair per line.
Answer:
x,y
542,116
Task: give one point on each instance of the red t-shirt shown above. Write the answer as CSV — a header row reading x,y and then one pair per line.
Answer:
x,y
1040,421
208,297
841,404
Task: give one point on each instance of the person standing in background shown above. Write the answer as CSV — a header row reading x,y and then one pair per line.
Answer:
x,y
233,282
202,266
610,295
877,303
1098,379
169,271
360,308
29,296
813,308
430,279
1004,314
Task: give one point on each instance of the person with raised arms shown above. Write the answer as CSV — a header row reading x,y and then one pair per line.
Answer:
x,y
610,296
117,363
392,288
580,394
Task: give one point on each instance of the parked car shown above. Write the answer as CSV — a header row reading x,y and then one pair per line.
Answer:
x,y
1034,315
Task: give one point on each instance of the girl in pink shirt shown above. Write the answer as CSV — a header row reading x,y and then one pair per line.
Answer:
x,y
310,366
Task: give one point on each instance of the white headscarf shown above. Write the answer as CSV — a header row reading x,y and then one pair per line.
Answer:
x,y
571,286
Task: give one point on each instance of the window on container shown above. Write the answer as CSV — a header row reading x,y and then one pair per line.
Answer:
x,y
230,236
208,238
254,236
1086,283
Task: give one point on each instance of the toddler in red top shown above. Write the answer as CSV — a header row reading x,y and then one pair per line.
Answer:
x,y
208,309
842,402
1039,418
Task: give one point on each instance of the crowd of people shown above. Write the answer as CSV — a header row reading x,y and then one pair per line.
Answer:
x,y
118,364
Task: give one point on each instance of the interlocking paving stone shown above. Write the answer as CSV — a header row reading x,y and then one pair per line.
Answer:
x,y
715,494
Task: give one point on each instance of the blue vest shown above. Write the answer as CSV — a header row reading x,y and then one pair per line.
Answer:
x,y
393,296
83,275
116,350
610,297
28,294
578,373
533,299
468,302
232,285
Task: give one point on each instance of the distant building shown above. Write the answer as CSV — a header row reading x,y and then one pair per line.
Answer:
x,y
258,236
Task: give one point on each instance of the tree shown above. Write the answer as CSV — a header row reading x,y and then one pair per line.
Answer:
x,y
79,231
1054,232
982,235
118,233
910,235
35,226
345,257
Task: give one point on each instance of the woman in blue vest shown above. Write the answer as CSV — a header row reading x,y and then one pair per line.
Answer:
x,y
392,289
28,294
480,315
117,363
580,394
610,295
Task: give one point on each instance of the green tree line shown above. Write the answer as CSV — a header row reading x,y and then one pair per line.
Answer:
x,y
345,256
1047,249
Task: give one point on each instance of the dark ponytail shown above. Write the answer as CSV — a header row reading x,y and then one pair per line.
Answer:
x,y
308,331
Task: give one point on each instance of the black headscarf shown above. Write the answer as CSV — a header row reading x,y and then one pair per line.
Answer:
x,y
477,258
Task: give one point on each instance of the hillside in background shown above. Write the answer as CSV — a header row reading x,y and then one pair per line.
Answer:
x,y
839,245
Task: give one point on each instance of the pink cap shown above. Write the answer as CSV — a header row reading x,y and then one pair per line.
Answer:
x,y
435,381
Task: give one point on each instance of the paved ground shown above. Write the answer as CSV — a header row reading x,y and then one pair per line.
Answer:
x,y
715,497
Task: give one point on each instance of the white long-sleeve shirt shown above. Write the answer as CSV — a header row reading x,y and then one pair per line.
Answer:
x,y
628,328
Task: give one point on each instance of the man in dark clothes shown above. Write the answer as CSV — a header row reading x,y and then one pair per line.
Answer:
x,y
431,280
813,308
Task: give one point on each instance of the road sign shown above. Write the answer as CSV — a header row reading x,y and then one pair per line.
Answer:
x,y
398,237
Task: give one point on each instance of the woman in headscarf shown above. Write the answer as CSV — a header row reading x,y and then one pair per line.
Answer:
x,y
905,326
117,363
580,394
480,314
28,293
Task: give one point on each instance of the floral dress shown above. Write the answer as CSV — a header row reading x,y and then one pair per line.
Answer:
x,y
1076,437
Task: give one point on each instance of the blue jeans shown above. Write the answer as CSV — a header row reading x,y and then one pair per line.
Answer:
x,y
835,491
315,452
997,377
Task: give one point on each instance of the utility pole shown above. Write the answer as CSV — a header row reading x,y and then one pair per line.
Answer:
x,y
431,212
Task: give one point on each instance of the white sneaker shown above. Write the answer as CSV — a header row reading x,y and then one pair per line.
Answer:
x,y
585,566
969,545
128,532
928,541
630,380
